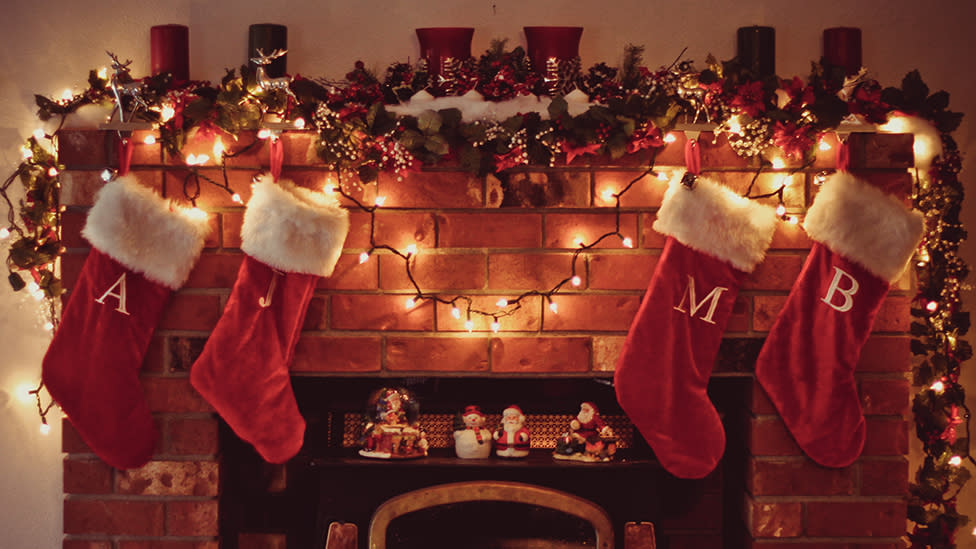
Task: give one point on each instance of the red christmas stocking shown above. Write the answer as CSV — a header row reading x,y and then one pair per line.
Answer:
x,y
291,237
863,240
143,249
715,238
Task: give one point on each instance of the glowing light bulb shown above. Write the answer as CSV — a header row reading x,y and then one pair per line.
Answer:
x,y
735,125
195,214
167,113
502,302
32,287
781,210
39,134
607,195
820,179
48,326
23,393
778,163
218,149
299,123
410,302
932,306
469,325
553,307
793,220
627,242
67,95
236,199
456,313
824,145
26,153
45,429
662,176
150,139
264,133
380,200
53,172
106,175
955,461
578,241
576,280
363,257
4,232
495,326
938,387
670,138
786,180
412,249
103,73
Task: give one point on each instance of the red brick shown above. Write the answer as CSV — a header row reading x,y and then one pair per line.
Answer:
x,y
191,518
78,188
884,396
299,147
526,318
71,265
766,519
316,314
776,272
215,271
886,437
530,271
350,274
565,230
212,240
804,544
765,310
434,271
231,223
437,354
602,313
92,516
211,196
454,189
191,312
71,441
621,272
790,237
337,354
716,152
856,518
173,394
546,189
358,236
646,192
881,151
86,544
489,230
87,476
760,403
768,437
82,148
884,477
794,195
894,315
170,478
401,229
796,477
606,351
649,237
885,354
380,312
898,184
155,359
167,544
72,222
191,436
262,541
740,320
540,354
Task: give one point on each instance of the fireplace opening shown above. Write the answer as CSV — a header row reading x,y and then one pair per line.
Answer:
x,y
292,505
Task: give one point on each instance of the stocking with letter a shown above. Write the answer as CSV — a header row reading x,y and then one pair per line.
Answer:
x,y
142,250
862,241
714,239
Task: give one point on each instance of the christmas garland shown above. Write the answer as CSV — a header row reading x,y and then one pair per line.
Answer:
x,y
631,110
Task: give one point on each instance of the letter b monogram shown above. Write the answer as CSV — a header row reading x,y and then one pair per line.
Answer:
x,y
846,293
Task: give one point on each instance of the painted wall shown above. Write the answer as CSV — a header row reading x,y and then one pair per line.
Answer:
x,y
50,46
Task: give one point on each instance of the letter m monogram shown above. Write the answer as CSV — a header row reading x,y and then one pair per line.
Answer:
x,y
695,305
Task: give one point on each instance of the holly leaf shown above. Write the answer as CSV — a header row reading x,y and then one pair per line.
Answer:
x,y
919,348
914,89
411,139
429,122
368,173
437,145
450,118
557,108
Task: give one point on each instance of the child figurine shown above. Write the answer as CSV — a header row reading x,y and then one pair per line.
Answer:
x,y
391,430
471,439
589,437
512,437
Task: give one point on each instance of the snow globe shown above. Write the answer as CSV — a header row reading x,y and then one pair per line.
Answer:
x,y
471,439
391,430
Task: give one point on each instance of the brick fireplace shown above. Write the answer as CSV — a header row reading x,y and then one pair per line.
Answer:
x,y
492,237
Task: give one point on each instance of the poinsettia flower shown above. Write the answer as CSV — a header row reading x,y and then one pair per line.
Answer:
x,y
648,137
510,159
866,101
750,99
799,94
572,152
949,434
794,140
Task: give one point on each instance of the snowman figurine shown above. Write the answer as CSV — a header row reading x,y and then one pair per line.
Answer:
x,y
471,439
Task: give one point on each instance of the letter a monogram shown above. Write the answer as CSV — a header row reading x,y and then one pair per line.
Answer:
x,y
836,289
712,296
120,284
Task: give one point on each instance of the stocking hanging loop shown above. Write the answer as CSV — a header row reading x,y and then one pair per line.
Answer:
x,y
692,162
265,301
277,153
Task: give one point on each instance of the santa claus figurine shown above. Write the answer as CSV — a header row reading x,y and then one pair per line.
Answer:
x,y
589,437
512,437
471,439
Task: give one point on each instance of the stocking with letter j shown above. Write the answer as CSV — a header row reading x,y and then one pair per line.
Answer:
x,y
862,241
714,239
142,250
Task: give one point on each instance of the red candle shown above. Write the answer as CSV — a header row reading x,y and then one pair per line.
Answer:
x,y
170,51
439,44
842,48
544,43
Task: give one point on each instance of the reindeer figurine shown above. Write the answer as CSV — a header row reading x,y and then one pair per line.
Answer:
x,y
270,84
123,85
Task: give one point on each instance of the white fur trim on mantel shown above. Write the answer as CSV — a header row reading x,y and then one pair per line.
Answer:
x,y
294,229
865,225
714,220
141,230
